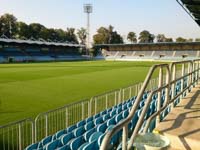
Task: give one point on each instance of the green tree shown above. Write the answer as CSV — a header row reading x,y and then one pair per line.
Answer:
x,y
35,30
161,38
146,37
132,37
82,35
70,35
22,30
197,40
180,39
190,40
107,36
8,25
168,40
102,36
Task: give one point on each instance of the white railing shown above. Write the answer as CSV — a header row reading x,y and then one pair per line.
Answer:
x,y
189,73
49,122
17,135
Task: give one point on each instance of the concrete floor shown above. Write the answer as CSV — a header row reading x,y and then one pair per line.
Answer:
x,y
182,124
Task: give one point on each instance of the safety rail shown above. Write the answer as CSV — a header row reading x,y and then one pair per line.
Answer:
x,y
54,120
17,135
191,77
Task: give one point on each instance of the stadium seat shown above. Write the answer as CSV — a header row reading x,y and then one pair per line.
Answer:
x,y
60,133
53,145
89,125
81,123
118,118
88,133
89,119
77,142
111,121
66,138
106,117
125,113
102,127
79,131
65,147
69,129
95,136
98,120
91,146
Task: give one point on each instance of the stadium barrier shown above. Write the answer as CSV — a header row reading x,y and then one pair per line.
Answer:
x,y
20,134
49,122
189,77
17,135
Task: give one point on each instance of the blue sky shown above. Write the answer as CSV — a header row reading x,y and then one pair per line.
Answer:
x,y
157,16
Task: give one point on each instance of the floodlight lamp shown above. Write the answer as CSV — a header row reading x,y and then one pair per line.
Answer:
x,y
87,8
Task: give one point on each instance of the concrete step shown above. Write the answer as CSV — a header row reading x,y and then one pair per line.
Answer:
x,y
182,124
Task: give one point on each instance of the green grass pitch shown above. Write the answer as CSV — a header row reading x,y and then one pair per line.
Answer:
x,y
29,89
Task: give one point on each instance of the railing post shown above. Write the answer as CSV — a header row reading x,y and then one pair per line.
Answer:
x,y
120,93
46,124
159,95
107,101
173,70
83,110
130,92
123,95
124,137
115,97
32,130
20,137
182,80
66,116
95,105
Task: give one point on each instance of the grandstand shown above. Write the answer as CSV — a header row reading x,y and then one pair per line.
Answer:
x,y
149,51
12,50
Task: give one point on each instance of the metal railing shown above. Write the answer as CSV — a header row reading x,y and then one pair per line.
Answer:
x,y
52,121
189,73
17,135
20,134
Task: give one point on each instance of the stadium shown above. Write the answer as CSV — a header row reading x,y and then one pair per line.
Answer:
x,y
59,90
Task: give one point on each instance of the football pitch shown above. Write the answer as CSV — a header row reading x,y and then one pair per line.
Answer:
x,y
29,89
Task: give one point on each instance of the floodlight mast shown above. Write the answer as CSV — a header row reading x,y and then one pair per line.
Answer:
x,y
88,11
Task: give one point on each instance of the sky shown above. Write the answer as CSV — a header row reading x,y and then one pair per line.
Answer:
x,y
157,16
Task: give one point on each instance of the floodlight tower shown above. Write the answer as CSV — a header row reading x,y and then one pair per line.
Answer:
x,y
88,11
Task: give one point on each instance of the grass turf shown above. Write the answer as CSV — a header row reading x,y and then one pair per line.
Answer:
x,y
29,89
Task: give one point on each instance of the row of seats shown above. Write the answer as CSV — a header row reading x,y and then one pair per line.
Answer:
x,y
89,133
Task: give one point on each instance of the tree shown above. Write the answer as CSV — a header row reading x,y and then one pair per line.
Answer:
x,y
197,40
102,36
146,37
168,40
70,35
161,38
22,30
35,30
180,39
107,36
8,25
190,40
132,37
82,35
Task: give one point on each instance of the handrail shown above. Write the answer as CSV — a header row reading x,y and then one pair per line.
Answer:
x,y
124,123
171,70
